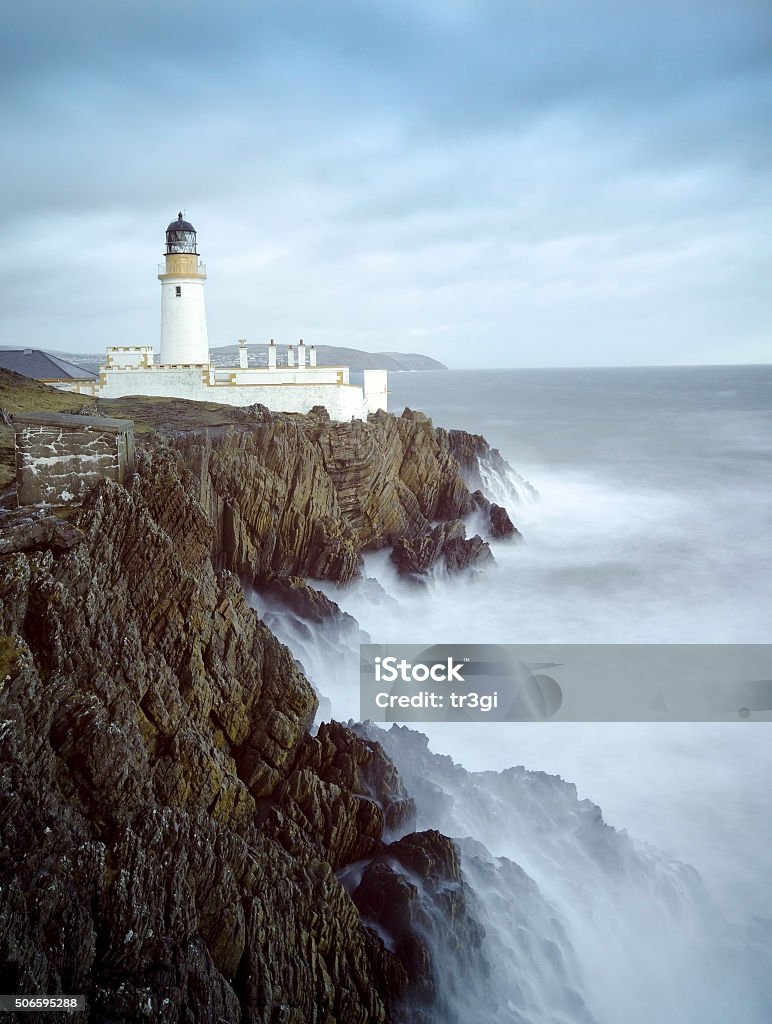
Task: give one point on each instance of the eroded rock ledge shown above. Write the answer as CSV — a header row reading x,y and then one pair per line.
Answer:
x,y
300,496
171,832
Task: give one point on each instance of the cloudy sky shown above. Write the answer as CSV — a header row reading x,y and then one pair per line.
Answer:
x,y
491,182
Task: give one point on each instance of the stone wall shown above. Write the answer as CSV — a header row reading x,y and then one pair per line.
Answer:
x,y
59,457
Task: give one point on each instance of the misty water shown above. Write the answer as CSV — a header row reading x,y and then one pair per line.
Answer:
x,y
652,525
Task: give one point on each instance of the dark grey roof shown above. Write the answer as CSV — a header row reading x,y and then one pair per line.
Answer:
x,y
40,365
66,419
180,225
181,236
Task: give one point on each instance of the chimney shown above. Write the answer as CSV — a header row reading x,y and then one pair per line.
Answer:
x,y
272,355
301,355
290,355
243,354
312,356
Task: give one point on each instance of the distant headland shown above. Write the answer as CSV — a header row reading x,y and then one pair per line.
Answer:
x,y
334,355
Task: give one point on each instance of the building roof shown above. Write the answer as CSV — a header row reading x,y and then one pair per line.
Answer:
x,y
180,224
40,365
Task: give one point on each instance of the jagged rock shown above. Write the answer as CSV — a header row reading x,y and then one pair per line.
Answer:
x,y
320,412
499,523
344,792
462,554
256,413
361,766
467,449
446,541
300,496
415,415
306,601
35,531
415,556
471,451
481,502
415,892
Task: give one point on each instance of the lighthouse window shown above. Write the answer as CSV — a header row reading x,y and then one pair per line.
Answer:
x,y
178,291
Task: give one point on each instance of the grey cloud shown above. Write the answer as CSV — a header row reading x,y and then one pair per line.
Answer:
x,y
431,166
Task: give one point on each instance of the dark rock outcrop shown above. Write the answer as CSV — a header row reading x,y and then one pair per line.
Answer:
x,y
415,893
306,601
300,496
468,450
473,454
462,554
171,833
499,523
447,542
34,530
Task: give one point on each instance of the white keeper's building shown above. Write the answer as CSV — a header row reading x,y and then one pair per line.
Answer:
x,y
185,370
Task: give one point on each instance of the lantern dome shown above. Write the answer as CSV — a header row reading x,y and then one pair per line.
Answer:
x,y
180,236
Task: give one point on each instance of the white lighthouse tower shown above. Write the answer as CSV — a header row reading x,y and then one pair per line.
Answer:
x,y
186,371
183,317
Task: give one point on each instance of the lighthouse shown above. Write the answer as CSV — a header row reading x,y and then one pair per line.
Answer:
x,y
185,369
183,317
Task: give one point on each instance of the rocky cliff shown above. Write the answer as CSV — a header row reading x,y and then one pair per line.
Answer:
x,y
175,843
301,496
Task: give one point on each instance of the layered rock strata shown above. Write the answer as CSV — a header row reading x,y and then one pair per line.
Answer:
x,y
300,496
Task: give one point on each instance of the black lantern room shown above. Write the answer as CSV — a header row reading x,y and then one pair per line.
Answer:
x,y
180,236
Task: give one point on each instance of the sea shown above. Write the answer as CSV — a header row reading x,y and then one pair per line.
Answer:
x,y
648,520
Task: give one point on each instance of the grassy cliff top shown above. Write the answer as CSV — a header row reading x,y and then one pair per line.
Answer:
x,y
20,394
